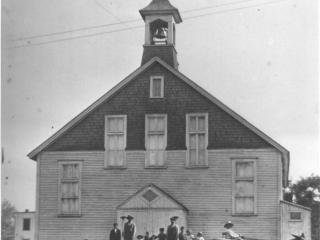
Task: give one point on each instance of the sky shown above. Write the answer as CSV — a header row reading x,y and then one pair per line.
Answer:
x,y
259,57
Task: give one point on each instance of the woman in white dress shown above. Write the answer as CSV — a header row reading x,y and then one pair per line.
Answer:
x,y
229,233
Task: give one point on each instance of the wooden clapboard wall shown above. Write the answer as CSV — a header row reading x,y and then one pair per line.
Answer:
x,y
207,193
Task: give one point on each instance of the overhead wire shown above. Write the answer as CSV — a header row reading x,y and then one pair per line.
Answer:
x,y
235,9
141,26
76,37
109,12
120,22
73,30
215,6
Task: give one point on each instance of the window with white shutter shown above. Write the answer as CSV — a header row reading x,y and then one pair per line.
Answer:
x,y
70,188
244,186
156,87
197,140
156,140
115,140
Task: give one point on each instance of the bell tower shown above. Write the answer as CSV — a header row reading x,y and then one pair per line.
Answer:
x,y
160,18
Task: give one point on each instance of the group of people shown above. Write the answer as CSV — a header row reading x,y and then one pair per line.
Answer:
x,y
172,233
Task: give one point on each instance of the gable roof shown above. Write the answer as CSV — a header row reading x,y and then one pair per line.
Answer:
x,y
124,82
152,186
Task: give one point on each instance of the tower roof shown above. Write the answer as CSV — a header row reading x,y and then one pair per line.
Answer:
x,y
161,7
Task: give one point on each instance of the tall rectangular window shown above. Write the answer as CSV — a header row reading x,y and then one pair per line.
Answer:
x,y
244,186
155,140
197,139
70,187
156,87
115,140
26,224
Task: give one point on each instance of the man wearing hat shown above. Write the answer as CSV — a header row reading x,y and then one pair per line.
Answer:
x,y
129,229
229,233
173,229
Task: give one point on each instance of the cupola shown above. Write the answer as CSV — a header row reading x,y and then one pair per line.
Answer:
x,y
160,18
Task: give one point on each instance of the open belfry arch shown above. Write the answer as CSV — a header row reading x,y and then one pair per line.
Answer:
x,y
151,208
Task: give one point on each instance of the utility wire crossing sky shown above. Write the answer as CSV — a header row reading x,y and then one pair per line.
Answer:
x,y
120,22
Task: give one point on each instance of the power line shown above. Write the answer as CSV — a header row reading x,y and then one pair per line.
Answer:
x,y
236,9
109,12
72,30
72,38
141,26
120,22
217,5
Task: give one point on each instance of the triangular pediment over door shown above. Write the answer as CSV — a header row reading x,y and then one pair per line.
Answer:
x,y
152,208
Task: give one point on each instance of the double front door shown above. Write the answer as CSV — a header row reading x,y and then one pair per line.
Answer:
x,y
152,209
151,220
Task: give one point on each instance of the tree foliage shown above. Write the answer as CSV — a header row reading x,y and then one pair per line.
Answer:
x,y
306,191
7,220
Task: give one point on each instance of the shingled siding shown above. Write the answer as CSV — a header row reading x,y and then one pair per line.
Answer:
x,y
133,100
205,192
166,52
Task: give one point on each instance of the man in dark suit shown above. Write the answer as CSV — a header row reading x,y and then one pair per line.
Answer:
x,y
173,229
129,229
115,233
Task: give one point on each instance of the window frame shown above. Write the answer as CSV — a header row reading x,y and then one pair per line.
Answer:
x,y
206,132
106,134
151,86
60,168
147,159
23,224
295,219
253,179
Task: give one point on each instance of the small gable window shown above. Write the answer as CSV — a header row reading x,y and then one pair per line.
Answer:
x,y
115,140
156,87
70,188
156,139
197,140
244,186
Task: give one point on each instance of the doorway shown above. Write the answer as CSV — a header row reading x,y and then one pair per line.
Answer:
x,y
152,209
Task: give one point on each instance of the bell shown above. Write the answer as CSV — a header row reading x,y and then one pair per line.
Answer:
x,y
160,33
